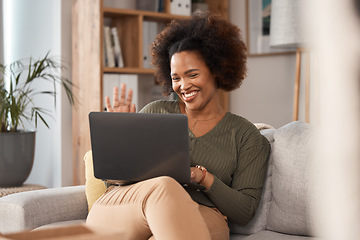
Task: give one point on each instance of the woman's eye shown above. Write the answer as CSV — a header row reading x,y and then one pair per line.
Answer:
x,y
175,79
194,75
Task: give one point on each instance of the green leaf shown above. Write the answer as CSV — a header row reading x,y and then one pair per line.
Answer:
x,y
16,102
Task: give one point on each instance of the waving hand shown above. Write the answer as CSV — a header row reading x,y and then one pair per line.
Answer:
x,y
124,104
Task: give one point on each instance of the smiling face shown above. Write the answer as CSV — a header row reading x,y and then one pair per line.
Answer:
x,y
193,81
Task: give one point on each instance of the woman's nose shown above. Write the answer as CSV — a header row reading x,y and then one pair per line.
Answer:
x,y
184,84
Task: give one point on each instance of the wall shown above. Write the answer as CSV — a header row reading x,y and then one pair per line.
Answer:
x,y
44,25
266,95
1,34
65,131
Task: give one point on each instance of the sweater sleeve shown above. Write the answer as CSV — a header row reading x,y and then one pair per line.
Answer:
x,y
240,200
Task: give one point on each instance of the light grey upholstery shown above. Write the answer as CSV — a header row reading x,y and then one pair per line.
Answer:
x,y
29,210
291,180
270,235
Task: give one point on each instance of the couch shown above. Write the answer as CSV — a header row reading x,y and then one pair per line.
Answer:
x,y
284,213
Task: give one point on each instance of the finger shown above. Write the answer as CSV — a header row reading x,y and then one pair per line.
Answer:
x,y
133,108
122,93
116,96
108,104
129,97
193,176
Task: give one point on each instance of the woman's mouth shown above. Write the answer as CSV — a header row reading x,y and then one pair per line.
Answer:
x,y
188,96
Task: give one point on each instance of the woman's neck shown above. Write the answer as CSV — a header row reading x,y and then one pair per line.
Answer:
x,y
204,114
207,112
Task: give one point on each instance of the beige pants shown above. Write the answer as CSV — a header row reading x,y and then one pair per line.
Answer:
x,y
159,209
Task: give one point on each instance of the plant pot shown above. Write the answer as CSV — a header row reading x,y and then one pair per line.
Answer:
x,y
16,157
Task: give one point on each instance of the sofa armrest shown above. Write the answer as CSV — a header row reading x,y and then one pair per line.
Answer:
x,y
29,210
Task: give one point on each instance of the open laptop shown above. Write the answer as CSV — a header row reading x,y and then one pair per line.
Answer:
x,y
131,147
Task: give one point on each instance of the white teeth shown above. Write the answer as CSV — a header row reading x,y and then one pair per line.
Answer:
x,y
189,94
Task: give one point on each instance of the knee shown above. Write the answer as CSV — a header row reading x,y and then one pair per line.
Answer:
x,y
165,182
169,187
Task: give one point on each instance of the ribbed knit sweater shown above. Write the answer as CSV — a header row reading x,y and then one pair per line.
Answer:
x,y
236,154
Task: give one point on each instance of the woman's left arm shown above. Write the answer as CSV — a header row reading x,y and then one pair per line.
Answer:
x,y
240,201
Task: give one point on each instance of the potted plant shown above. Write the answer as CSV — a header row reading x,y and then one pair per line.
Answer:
x,y
17,146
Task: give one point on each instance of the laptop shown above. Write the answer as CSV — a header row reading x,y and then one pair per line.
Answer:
x,y
132,147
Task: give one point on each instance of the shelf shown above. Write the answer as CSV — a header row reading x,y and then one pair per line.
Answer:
x,y
148,15
130,26
129,70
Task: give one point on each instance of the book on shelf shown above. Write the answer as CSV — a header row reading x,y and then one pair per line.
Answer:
x,y
161,6
104,50
112,49
148,5
150,31
119,61
180,7
109,51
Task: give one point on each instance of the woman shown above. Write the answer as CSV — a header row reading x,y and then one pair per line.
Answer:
x,y
194,58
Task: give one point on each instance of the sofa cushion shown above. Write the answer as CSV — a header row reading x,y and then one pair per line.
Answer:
x,y
32,209
236,236
94,187
269,235
61,224
258,223
291,180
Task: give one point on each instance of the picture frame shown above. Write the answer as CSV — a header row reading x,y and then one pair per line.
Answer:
x,y
258,17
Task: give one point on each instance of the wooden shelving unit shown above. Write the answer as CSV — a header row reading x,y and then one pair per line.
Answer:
x,y
130,28
87,60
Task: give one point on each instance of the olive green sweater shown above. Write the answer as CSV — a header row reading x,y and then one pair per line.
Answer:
x,y
236,154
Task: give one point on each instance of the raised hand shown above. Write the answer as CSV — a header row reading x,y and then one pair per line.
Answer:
x,y
122,105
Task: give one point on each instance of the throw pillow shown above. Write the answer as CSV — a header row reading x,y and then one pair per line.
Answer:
x,y
94,187
291,181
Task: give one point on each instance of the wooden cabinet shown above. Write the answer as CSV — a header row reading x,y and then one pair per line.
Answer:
x,y
87,60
